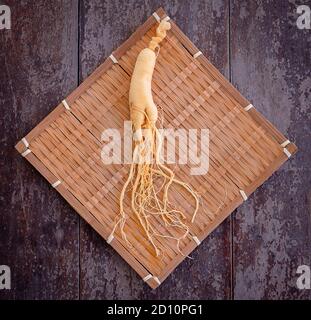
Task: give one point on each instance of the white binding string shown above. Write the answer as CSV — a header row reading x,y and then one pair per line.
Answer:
x,y
197,54
66,105
25,142
243,194
113,58
157,280
167,18
156,16
110,238
285,143
24,154
250,106
56,183
147,277
287,152
196,240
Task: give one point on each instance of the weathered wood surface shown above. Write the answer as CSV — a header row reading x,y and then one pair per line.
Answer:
x,y
270,63
51,48
39,232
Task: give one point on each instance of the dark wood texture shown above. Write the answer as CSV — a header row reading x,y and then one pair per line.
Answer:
x,y
51,48
270,65
39,237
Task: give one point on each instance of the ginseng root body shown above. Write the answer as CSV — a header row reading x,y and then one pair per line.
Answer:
x,y
149,179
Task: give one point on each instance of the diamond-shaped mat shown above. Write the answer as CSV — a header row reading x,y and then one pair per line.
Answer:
x,y
245,149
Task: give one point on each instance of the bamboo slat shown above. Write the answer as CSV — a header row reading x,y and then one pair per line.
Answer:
x,y
244,148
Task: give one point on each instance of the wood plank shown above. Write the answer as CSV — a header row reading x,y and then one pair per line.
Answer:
x,y
39,232
271,67
104,274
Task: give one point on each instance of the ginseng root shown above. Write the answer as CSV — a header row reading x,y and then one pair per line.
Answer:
x,y
148,199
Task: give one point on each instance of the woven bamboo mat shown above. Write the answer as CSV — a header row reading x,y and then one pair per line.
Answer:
x,y
244,148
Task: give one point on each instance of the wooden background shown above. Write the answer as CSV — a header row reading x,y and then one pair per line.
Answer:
x,y
254,254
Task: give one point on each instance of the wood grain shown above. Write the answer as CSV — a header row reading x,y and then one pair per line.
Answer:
x,y
39,232
40,238
270,65
247,151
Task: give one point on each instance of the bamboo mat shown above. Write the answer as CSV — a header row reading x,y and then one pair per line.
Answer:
x,y
244,148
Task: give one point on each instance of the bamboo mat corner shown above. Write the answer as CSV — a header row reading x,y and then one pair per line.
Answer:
x,y
245,148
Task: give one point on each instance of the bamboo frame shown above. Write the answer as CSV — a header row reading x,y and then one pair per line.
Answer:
x,y
65,145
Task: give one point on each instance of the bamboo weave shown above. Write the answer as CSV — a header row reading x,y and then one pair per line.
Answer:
x,y
245,149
